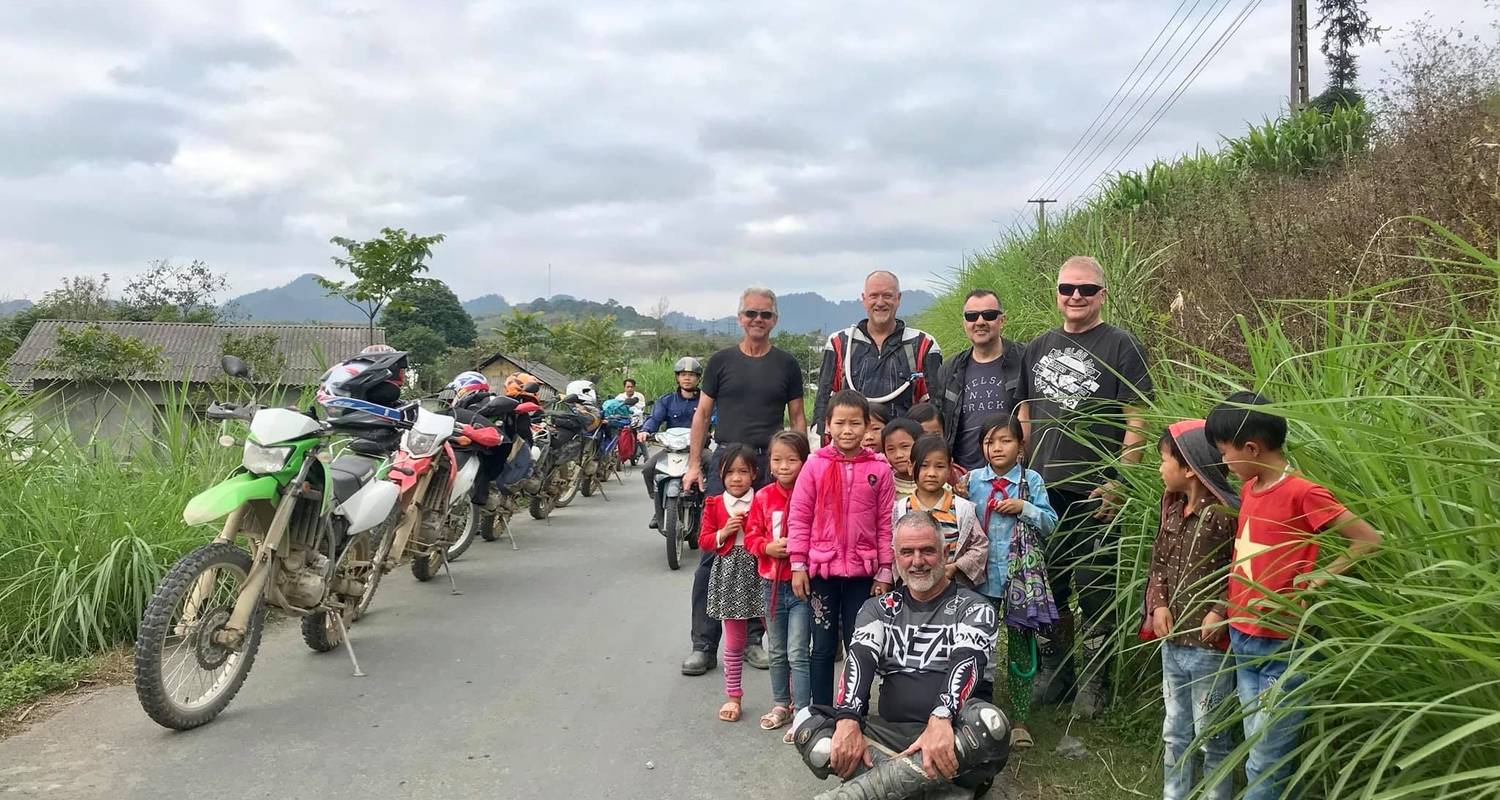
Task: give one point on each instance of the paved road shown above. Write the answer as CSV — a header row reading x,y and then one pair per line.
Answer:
x,y
554,675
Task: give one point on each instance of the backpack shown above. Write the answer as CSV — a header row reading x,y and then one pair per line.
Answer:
x,y
916,355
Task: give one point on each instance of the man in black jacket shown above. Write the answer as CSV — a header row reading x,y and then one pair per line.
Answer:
x,y
881,358
979,382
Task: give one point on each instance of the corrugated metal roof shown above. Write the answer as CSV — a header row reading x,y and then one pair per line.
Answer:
x,y
191,351
548,375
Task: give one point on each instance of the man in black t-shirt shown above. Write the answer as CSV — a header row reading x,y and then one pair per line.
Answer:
x,y
979,382
754,386
1082,391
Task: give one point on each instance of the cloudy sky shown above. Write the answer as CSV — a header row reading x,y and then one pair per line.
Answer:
x,y
642,148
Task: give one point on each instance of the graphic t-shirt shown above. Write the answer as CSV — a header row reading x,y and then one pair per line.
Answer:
x,y
1275,544
750,393
984,395
1076,386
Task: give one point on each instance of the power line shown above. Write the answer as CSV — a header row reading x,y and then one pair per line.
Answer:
x,y
1205,23
1118,89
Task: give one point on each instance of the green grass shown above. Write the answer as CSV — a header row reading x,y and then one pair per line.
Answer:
x,y
30,678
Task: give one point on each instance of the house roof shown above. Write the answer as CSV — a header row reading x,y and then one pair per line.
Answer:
x,y
191,350
546,374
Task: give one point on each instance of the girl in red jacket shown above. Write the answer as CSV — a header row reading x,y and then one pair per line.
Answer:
x,y
734,584
787,616
839,534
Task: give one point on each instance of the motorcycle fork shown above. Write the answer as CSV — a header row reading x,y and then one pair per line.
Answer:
x,y
411,517
203,587
264,563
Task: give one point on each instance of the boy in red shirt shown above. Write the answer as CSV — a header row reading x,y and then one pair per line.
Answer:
x,y
1275,552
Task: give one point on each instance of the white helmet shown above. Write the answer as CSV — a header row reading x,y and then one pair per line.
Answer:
x,y
583,390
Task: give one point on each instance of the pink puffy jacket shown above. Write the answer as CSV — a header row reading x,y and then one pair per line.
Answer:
x,y
839,522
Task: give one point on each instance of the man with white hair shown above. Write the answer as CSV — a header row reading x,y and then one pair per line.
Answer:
x,y
930,641
880,357
755,388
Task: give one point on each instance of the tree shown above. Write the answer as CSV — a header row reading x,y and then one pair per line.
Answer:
x,y
91,353
523,334
805,347
381,268
1346,25
592,347
261,353
82,297
433,304
167,292
423,345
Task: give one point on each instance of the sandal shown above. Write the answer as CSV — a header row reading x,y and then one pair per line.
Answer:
x,y
778,716
730,711
788,738
1020,738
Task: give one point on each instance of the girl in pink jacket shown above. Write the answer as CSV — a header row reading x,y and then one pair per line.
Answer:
x,y
839,534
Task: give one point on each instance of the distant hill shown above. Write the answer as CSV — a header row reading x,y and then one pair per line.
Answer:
x,y
9,307
805,312
303,300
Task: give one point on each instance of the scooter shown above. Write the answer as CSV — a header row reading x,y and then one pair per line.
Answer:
x,y
681,511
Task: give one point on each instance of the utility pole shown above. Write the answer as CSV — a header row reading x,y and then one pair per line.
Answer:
x,y
1041,214
1299,55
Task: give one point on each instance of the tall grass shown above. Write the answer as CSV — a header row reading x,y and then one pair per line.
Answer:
x,y
86,530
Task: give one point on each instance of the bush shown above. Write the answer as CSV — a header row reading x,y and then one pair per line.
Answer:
x,y
31,678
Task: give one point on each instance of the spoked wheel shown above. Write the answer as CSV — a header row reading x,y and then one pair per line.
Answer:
x,y
370,554
320,631
541,506
426,565
185,671
462,525
572,477
673,525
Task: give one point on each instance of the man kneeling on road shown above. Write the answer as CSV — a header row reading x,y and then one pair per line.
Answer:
x,y
930,641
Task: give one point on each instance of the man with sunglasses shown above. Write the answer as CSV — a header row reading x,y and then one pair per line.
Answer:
x,y
1082,392
753,386
880,357
978,382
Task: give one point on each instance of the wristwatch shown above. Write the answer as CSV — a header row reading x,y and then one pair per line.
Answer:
x,y
943,712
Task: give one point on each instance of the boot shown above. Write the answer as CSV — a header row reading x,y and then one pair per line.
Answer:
x,y
1054,644
655,523
1090,697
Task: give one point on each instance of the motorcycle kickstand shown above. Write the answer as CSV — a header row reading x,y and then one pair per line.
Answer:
x,y
348,645
510,533
452,587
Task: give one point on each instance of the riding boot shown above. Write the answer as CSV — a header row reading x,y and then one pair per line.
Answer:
x,y
1054,645
1090,697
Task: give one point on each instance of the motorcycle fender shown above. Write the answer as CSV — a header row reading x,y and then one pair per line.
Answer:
x,y
228,495
407,482
369,506
672,489
464,480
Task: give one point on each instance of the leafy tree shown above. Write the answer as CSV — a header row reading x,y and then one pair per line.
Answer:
x,y
1346,25
167,292
424,346
592,347
523,334
805,347
381,268
432,304
91,353
261,353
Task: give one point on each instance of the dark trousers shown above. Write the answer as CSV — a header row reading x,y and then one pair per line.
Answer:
x,y
1081,555
706,629
835,606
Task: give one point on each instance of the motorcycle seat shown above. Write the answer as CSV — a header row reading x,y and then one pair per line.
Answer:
x,y
348,473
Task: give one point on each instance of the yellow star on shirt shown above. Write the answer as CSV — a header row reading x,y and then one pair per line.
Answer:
x,y
1245,551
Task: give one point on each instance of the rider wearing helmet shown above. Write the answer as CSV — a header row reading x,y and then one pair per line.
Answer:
x,y
672,410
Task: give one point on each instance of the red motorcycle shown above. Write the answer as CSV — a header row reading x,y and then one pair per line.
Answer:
x,y
423,470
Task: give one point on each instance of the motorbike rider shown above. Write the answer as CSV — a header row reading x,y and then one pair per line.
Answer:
x,y
672,410
636,402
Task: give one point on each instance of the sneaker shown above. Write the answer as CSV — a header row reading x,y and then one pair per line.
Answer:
x,y
1089,700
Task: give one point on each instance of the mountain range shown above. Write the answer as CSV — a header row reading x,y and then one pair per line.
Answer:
x,y
303,300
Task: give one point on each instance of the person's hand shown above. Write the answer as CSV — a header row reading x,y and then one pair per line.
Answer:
x,y
776,548
1213,630
936,745
879,588
1011,507
1161,622
693,478
849,748
1109,501
1306,584
735,524
642,437
800,584
950,570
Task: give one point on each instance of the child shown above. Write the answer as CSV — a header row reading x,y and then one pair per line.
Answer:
x,y
878,417
896,441
839,534
734,585
926,415
1015,514
788,618
1281,515
1185,595
966,546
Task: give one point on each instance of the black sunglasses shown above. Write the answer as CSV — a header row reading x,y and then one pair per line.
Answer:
x,y
988,315
751,313
1085,289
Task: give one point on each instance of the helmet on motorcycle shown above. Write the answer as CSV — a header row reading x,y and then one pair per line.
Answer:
x,y
523,386
467,383
688,364
369,377
377,348
584,390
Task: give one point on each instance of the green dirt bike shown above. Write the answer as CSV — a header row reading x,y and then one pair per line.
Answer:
x,y
310,520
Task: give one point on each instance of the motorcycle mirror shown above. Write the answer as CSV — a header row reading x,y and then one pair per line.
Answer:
x,y
234,367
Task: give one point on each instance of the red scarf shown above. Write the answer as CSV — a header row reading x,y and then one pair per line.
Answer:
x,y
1000,486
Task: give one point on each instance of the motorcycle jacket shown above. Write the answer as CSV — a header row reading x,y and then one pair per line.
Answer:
x,y
896,373
672,410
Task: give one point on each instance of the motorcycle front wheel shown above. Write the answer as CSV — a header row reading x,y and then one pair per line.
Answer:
x,y
183,677
463,523
672,527
572,475
377,543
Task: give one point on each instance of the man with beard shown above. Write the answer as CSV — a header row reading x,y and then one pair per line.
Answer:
x,y
929,641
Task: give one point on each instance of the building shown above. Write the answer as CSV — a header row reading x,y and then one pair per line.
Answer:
x,y
499,366
189,363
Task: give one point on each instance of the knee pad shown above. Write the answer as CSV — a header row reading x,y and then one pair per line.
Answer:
x,y
981,735
812,731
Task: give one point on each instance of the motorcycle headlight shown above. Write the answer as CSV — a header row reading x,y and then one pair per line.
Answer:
x,y
264,460
422,444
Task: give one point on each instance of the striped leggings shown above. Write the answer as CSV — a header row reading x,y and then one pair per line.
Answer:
x,y
734,655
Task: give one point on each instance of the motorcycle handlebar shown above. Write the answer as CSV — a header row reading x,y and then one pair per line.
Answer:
x,y
223,411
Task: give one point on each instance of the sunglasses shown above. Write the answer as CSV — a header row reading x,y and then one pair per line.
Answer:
x,y
1085,289
751,313
988,315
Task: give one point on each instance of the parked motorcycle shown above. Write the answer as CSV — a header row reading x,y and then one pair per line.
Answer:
x,y
606,461
424,470
489,520
305,513
558,470
681,511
